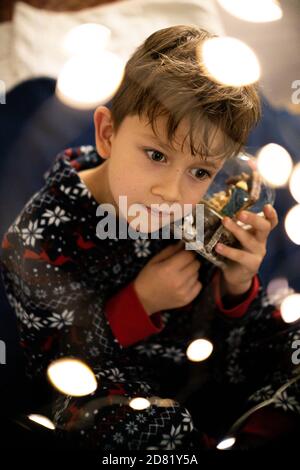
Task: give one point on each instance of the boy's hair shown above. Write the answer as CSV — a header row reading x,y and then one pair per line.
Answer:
x,y
165,77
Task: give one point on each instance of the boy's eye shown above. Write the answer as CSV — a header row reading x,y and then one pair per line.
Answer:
x,y
202,174
156,155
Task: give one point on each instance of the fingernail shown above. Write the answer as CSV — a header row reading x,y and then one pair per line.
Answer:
x,y
219,247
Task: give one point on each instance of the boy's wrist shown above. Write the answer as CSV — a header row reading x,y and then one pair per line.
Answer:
x,y
234,290
145,303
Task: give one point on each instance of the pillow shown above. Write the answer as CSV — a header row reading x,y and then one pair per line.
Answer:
x,y
39,34
7,73
6,38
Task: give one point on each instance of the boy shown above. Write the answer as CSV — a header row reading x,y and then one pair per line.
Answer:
x,y
130,308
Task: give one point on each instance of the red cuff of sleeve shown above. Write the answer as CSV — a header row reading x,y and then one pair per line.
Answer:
x,y
240,309
128,319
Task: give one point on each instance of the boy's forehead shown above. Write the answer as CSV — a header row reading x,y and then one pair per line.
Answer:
x,y
180,141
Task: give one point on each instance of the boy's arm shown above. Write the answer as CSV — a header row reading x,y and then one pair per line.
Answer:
x,y
234,306
129,321
262,425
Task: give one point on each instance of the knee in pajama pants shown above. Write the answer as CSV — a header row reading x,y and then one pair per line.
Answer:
x,y
108,423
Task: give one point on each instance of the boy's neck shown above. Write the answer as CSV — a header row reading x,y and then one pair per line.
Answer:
x,y
96,180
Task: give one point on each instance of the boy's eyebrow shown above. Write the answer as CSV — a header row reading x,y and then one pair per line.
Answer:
x,y
168,147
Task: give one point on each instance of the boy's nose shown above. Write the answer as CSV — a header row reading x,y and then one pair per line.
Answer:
x,y
168,191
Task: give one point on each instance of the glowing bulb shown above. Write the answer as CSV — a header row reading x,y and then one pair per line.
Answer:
x,y
72,377
278,289
274,163
139,403
42,420
291,224
295,182
85,82
230,61
256,11
86,38
290,308
199,350
226,443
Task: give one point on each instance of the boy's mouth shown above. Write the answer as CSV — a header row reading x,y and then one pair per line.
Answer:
x,y
157,212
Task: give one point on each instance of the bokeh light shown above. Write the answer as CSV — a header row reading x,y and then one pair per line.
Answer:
x,y
274,164
278,289
139,403
72,377
277,284
42,420
199,350
230,61
87,38
291,224
226,443
256,11
294,183
290,308
88,81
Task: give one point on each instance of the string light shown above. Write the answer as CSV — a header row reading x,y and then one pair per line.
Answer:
x,y
199,350
291,224
72,377
87,38
241,420
87,81
256,11
278,283
290,308
226,443
230,61
139,403
274,164
42,420
278,289
295,183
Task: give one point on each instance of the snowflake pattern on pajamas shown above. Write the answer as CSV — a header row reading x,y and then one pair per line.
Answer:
x,y
58,276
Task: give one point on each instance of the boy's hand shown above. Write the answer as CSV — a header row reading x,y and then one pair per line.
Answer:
x,y
169,280
245,263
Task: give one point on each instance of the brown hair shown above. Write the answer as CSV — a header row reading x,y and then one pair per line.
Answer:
x,y
165,77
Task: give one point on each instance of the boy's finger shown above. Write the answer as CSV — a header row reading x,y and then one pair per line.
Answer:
x,y
239,256
182,259
245,237
271,215
167,252
261,225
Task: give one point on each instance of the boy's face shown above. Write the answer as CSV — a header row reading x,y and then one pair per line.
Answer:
x,y
146,170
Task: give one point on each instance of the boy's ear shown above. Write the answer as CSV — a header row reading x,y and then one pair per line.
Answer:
x,y
103,131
